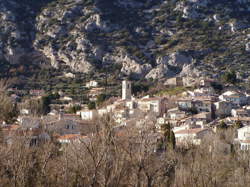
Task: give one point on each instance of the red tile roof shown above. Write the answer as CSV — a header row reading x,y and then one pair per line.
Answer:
x,y
190,131
245,141
71,137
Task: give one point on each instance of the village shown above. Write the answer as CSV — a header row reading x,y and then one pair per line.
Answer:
x,y
193,116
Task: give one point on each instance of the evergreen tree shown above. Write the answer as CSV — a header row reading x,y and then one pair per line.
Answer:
x,y
238,124
222,125
169,137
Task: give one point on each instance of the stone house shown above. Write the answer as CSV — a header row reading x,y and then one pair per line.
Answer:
x,y
191,136
176,81
154,104
175,113
243,137
222,108
185,103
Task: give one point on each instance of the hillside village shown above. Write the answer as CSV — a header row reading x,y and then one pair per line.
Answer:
x,y
193,115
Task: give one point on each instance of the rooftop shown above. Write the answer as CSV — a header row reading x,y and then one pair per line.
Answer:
x,y
71,137
190,131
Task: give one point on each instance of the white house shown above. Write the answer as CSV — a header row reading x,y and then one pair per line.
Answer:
x,y
89,114
234,97
244,138
175,113
91,84
191,136
239,113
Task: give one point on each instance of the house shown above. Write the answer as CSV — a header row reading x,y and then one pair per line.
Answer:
x,y
236,98
243,137
222,108
185,103
198,120
120,115
233,120
91,84
71,138
204,91
94,92
175,113
239,113
176,81
191,136
131,104
203,105
202,118
184,127
37,92
63,126
154,104
89,114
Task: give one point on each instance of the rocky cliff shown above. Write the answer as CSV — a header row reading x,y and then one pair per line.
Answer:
x,y
147,38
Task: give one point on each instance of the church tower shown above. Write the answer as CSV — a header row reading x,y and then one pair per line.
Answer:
x,y
126,90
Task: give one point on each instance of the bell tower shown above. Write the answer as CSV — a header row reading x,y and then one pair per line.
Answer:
x,y
126,90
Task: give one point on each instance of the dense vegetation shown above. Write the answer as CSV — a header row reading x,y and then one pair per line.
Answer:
x,y
124,158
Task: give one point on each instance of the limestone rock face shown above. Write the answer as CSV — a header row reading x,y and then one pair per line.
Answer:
x,y
190,8
179,60
13,40
248,47
143,38
169,66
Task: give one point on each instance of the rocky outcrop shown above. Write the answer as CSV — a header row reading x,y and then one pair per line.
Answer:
x,y
13,40
248,46
86,35
169,66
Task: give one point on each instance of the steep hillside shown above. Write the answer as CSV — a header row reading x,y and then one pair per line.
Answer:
x,y
142,38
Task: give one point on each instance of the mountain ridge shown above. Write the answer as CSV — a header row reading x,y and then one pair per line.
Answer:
x,y
143,38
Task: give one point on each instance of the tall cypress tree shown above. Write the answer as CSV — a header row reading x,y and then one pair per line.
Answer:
x,y
169,137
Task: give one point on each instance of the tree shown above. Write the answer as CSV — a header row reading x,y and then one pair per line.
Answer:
x,y
238,124
74,109
39,106
91,105
101,98
169,137
230,77
222,125
8,109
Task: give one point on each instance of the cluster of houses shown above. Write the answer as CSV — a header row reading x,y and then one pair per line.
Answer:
x,y
193,116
